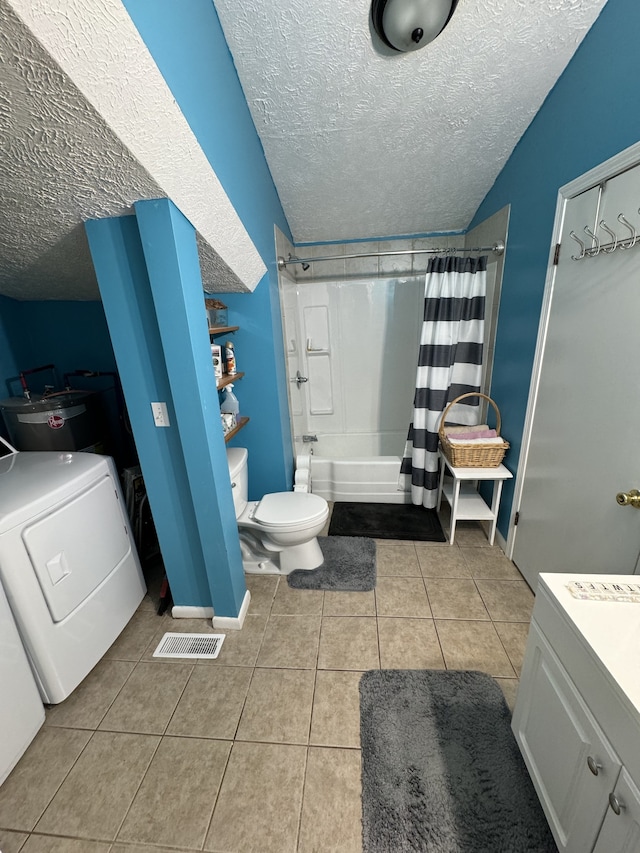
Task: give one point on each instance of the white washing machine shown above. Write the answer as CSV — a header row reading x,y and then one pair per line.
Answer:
x,y
68,562
21,708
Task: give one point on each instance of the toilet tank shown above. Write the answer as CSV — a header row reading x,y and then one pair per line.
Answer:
x,y
237,462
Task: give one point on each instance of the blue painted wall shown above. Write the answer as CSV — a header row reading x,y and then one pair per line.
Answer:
x,y
10,341
568,136
192,54
121,268
590,115
72,336
11,345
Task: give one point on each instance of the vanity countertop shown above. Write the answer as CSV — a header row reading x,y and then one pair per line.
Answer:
x,y
611,629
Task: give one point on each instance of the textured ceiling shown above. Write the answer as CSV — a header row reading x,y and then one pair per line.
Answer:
x,y
85,116
362,143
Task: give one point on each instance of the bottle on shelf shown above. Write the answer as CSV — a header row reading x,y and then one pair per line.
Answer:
x,y
229,409
230,358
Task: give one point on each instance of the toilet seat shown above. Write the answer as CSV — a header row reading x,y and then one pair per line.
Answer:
x,y
289,510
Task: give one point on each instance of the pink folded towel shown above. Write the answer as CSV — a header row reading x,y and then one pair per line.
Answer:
x,y
451,429
459,440
471,434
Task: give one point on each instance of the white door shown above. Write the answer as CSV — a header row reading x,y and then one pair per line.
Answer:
x,y
585,441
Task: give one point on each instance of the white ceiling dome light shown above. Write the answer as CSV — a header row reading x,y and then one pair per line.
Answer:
x,y
406,25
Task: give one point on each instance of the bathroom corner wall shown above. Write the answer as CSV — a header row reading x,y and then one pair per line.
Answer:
x,y
492,230
148,273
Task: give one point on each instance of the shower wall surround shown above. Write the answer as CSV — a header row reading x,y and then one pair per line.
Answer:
x,y
352,330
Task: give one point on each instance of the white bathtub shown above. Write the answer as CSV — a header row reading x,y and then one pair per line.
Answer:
x,y
356,468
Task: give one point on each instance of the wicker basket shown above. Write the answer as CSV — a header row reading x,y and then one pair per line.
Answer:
x,y
476,455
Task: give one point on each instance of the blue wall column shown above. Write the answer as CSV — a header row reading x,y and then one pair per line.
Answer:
x,y
169,245
130,311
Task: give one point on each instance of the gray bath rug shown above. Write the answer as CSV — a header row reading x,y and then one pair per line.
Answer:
x,y
441,770
349,566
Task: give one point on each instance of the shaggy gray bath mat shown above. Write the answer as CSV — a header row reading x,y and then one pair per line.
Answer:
x,y
349,566
386,521
441,770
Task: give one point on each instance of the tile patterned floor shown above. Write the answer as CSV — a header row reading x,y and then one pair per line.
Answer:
x,y
258,750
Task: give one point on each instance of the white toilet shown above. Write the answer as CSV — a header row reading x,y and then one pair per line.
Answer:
x,y
278,533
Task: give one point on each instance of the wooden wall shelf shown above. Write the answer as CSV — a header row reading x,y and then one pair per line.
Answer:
x,y
228,379
241,423
222,330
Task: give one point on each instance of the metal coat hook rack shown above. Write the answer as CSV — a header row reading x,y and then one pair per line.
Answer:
x,y
613,241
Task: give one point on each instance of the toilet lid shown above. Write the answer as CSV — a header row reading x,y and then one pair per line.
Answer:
x,y
289,509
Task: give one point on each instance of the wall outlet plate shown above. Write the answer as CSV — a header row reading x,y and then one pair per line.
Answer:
x,y
160,414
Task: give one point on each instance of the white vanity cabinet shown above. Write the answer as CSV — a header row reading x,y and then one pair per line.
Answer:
x,y
620,831
577,715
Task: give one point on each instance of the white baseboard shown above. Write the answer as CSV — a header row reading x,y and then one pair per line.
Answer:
x,y
188,612
231,623
501,541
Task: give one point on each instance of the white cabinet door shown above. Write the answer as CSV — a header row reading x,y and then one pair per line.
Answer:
x,y
621,832
559,740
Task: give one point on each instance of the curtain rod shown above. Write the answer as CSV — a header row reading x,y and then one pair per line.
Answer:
x,y
497,249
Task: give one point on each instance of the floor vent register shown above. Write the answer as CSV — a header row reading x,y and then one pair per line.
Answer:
x,y
189,646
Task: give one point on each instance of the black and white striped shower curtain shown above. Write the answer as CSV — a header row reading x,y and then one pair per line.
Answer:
x,y
449,364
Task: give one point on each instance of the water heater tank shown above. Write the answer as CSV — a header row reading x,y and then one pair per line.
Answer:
x,y
66,421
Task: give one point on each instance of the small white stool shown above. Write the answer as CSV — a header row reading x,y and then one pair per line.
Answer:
x,y
462,494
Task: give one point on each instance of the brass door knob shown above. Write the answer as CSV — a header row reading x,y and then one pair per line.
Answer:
x,y
630,498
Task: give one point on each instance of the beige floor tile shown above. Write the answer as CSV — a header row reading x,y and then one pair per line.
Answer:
x,y
263,590
148,699
290,642
177,795
509,687
211,703
148,603
446,561
514,639
335,720
11,842
144,628
258,808
240,648
33,782
349,604
331,807
402,597
409,644
455,598
349,642
49,844
278,706
490,563
142,848
302,602
178,626
90,701
507,601
95,797
473,645
396,559
472,534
